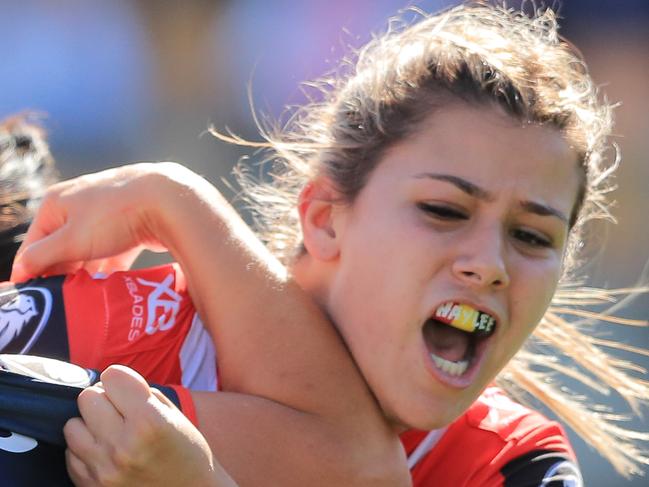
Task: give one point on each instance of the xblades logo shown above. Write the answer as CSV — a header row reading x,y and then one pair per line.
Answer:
x,y
24,313
162,305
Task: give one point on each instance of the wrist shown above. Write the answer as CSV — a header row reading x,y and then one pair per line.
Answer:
x,y
153,186
142,192
173,202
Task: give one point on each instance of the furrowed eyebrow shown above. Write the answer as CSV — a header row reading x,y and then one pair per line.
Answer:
x,y
476,191
468,187
543,210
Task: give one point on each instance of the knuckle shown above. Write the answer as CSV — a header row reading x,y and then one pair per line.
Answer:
x,y
51,194
71,429
148,431
54,194
155,414
109,374
122,459
116,375
148,428
108,477
80,476
89,396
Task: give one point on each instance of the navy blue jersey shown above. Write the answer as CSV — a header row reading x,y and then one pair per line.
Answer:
x,y
143,319
37,397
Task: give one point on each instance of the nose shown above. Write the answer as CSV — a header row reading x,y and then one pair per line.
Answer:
x,y
480,260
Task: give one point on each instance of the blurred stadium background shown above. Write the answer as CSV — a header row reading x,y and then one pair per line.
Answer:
x,y
132,80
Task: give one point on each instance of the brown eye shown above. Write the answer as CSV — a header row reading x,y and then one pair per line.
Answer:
x,y
442,212
531,238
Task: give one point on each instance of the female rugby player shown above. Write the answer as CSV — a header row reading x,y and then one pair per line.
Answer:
x,y
434,267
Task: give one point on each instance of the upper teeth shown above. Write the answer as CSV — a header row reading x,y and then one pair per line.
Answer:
x,y
465,317
452,368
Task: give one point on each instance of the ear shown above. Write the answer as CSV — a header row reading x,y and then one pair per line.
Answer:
x,y
316,206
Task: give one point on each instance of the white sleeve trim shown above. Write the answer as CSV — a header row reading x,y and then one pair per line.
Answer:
x,y
426,445
198,359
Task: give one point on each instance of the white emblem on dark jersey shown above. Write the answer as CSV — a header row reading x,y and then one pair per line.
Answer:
x,y
20,311
565,471
16,443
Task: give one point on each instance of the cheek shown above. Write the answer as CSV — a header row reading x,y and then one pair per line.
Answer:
x,y
532,293
377,286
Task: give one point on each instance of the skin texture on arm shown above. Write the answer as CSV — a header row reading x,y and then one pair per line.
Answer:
x,y
314,421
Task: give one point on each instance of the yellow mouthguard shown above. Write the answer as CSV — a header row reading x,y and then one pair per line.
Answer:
x,y
464,317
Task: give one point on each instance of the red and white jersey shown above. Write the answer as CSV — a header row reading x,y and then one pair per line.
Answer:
x,y
146,320
497,442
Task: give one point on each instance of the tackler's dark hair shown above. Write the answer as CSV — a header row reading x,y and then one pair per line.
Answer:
x,y
26,170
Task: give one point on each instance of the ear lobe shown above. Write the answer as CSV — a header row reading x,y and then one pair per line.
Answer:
x,y
315,205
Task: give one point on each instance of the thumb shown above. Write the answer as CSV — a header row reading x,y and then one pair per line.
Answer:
x,y
35,258
125,388
160,396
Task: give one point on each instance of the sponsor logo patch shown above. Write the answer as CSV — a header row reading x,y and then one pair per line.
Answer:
x,y
159,311
24,313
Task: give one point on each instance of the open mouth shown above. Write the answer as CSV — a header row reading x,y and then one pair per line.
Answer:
x,y
454,335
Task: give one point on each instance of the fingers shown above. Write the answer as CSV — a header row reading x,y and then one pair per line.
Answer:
x,y
101,417
46,254
131,434
79,473
162,398
90,462
88,219
126,389
81,451
50,216
38,230
144,415
34,233
93,441
47,257
102,448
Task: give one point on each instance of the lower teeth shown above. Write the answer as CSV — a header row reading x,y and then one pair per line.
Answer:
x,y
452,368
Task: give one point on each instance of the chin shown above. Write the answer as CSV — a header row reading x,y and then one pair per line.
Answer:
x,y
422,419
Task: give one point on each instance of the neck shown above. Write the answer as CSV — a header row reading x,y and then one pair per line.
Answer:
x,y
310,276
313,277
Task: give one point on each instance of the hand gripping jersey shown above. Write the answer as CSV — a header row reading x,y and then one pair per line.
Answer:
x,y
145,319
32,414
37,396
